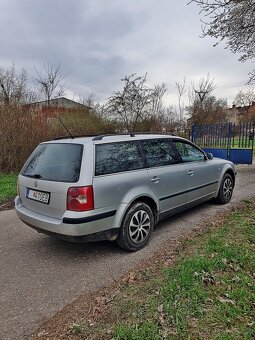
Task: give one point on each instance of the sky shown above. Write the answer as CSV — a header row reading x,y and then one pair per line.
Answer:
x,y
98,42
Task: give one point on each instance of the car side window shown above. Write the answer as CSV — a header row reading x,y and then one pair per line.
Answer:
x,y
188,152
159,153
117,157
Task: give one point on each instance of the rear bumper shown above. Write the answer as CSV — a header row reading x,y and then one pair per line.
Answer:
x,y
90,226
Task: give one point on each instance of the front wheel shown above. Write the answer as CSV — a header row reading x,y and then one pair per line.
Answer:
x,y
226,190
136,227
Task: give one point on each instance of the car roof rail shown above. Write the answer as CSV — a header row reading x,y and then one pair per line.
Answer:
x,y
97,137
131,134
100,137
75,136
155,133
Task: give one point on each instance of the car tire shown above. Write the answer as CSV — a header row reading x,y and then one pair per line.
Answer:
x,y
136,227
226,190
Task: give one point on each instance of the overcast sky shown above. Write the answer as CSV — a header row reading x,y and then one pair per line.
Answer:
x,y
97,42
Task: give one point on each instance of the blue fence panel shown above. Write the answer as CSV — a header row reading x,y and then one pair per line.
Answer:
x,y
217,152
228,140
240,156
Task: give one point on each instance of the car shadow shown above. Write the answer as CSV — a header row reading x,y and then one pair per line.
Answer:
x,y
184,215
64,248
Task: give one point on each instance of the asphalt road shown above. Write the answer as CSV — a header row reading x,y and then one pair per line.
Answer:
x,y
39,275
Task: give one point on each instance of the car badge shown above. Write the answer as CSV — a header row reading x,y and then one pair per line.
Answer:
x,y
36,184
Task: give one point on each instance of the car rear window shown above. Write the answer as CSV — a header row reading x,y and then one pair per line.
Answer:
x,y
55,162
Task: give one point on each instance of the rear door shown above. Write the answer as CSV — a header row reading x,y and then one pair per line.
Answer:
x,y
167,178
202,174
46,176
120,173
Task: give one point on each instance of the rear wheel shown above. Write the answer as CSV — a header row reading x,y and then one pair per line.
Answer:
x,y
226,190
136,227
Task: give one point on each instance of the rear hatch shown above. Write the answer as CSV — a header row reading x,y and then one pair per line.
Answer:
x,y
46,176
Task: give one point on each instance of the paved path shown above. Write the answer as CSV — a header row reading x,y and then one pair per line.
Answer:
x,y
39,274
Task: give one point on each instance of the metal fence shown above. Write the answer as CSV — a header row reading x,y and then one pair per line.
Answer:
x,y
234,142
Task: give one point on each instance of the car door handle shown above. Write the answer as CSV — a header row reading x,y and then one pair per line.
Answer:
x,y
155,179
190,172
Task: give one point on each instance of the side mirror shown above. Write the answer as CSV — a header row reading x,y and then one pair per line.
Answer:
x,y
209,155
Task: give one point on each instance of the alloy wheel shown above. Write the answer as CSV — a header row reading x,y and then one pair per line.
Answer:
x,y
227,188
139,226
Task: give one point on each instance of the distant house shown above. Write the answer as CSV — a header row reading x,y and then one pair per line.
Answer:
x,y
57,105
59,102
241,113
251,110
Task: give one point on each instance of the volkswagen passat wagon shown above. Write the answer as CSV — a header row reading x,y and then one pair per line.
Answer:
x,y
116,187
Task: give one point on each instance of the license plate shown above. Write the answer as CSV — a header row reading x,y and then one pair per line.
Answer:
x,y
40,196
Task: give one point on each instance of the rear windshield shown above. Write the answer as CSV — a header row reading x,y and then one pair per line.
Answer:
x,y
55,162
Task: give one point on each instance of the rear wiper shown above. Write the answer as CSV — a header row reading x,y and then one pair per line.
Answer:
x,y
35,176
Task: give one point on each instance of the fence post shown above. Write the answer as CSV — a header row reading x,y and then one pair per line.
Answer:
x,y
229,140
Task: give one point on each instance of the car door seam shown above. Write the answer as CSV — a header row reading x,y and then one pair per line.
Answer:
x,y
186,191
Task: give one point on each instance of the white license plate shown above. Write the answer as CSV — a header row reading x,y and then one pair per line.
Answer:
x,y
40,196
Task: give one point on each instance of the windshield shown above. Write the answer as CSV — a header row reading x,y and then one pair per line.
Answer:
x,y
54,162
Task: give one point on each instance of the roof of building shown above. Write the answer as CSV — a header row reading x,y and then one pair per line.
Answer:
x,y
244,108
59,102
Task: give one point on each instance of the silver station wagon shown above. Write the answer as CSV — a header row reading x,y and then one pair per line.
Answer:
x,y
116,187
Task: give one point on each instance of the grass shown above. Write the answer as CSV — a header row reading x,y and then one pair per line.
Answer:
x,y
208,292
242,142
7,186
77,327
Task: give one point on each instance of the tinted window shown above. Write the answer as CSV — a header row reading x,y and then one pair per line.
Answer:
x,y
55,162
117,157
159,153
188,152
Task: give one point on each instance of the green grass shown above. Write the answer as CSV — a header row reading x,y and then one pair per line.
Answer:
x,y
209,292
7,186
244,143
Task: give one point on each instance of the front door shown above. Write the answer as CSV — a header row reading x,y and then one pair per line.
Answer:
x,y
168,179
202,174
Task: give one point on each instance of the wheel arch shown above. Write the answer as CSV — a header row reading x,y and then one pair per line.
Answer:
x,y
151,203
147,200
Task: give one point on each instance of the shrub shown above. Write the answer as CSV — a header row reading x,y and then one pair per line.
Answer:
x,y
22,128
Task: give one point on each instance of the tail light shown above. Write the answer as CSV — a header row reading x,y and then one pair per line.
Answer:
x,y
80,198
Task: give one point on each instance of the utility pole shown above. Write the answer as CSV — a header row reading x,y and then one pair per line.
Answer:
x,y
201,95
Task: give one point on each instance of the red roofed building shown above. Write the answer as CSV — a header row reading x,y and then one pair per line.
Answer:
x,y
242,113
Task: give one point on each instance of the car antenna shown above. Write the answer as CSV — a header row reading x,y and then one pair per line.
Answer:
x,y
65,128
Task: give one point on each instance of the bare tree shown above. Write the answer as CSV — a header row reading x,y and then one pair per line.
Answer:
x,y
200,99
157,98
232,21
166,120
89,100
134,102
203,88
13,86
245,97
252,77
181,89
50,81
213,111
